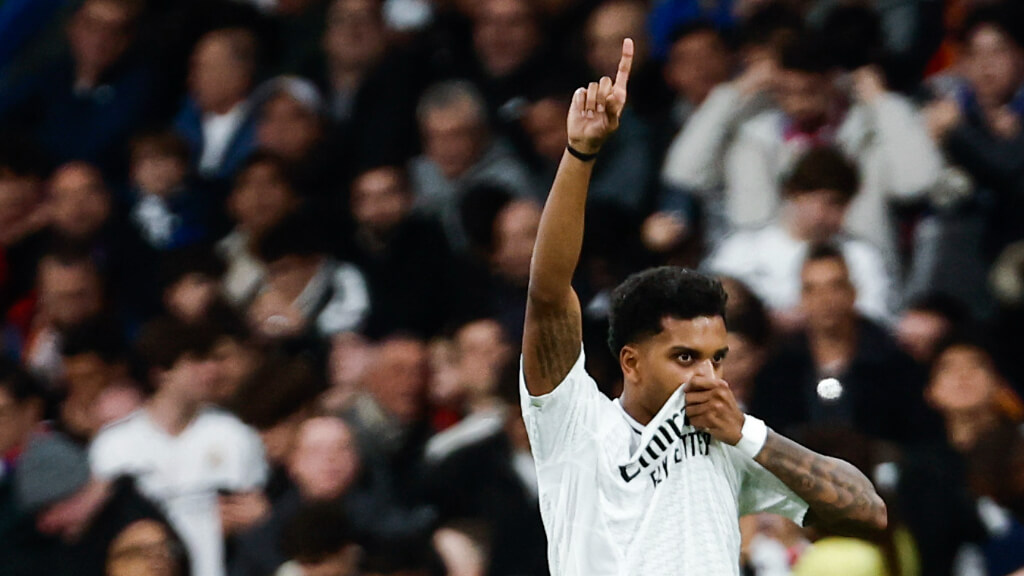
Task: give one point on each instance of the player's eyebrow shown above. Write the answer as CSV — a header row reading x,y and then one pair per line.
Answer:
x,y
676,350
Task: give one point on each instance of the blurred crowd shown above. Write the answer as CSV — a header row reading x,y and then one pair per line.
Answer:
x,y
263,269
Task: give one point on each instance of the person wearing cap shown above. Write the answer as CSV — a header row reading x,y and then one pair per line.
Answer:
x,y
71,516
181,452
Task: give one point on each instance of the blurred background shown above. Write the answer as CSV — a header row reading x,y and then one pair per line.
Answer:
x,y
263,269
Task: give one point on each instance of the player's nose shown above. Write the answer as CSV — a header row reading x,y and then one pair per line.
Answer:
x,y
705,368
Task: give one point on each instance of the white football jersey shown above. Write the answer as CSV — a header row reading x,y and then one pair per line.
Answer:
x,y
621,499
183,473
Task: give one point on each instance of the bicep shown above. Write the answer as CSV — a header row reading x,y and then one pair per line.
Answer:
x,y
552,336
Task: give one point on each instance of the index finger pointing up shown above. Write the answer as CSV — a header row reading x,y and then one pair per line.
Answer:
x,y
625,64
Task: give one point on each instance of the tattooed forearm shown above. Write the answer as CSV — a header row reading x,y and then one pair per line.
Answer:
x,y
841,498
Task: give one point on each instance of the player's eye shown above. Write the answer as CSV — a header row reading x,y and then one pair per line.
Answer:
x,y
685,358
719,358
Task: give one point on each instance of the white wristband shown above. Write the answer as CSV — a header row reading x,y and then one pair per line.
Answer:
x,y
752,436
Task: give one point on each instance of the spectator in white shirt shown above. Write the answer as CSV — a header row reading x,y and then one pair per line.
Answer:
x,y
183,453
735,160
817,196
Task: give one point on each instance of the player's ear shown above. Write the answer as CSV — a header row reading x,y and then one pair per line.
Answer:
x,y
629,360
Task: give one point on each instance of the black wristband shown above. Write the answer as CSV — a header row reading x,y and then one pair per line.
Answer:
x,y
581,156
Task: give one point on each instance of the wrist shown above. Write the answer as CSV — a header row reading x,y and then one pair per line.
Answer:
x,y
581,154
753,435
586,146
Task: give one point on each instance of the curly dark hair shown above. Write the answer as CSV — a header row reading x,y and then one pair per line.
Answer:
x,y
641,302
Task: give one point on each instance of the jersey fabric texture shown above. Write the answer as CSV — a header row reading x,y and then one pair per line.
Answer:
x,y
621,499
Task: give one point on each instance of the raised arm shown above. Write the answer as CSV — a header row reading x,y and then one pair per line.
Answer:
x,y
553,331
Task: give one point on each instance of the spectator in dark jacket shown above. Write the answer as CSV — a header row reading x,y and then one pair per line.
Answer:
x,y
86,105
404,256
217,119
842,369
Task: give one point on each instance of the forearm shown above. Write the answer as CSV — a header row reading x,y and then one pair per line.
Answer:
x,y
560,236
840,497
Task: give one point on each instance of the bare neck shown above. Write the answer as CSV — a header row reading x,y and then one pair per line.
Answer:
x,y
171,414
633,407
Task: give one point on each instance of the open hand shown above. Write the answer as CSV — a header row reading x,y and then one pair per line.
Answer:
x,y
711,406
595,111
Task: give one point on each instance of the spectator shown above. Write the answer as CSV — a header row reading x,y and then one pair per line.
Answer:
x,y
947,492
392,245
926,322
217,119
298,27
623,176
977,117
480,352
319,541
817,195
515,231
350,358
490,478
191,284
509,54
459,153
85,515
276,399
627,160
263,195
83,217
147,548
968,390
326,469
390,416
179,451
22,217
308,293
70,292
842,368
85,105
371,86
879,130
235,351
323,465
699,59
95,367
22,403
292,124
749,339
167,209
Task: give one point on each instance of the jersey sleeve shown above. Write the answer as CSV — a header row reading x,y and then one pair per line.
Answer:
x,y
762,491
560,420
